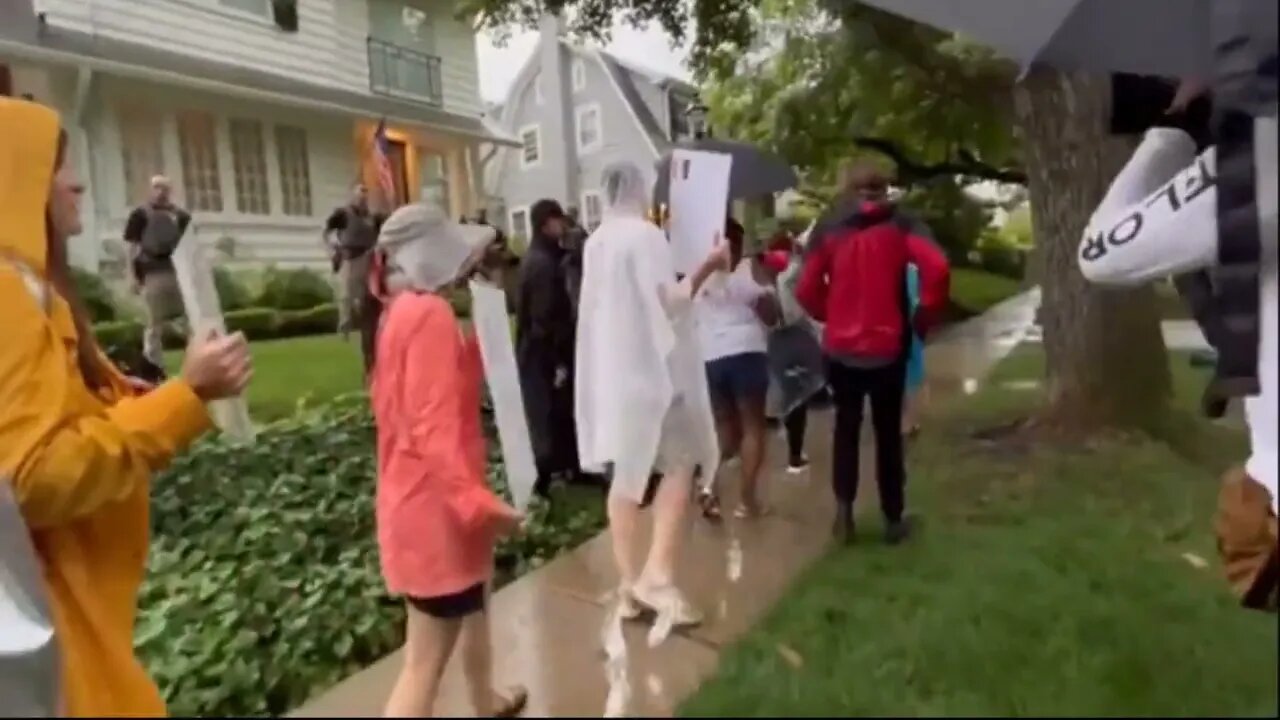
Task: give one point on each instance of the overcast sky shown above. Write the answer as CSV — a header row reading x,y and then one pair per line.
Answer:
x,y
647,48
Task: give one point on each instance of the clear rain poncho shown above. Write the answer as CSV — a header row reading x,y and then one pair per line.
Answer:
x,y
640,383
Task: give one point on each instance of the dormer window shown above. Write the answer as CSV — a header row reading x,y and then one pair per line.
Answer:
x,y
578,75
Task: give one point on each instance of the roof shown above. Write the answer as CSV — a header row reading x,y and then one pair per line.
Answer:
x,y
23,34
625,79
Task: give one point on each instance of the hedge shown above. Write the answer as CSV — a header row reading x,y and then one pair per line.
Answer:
x,y
256,323
264,584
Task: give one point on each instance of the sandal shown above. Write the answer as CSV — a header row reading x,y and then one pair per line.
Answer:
x,y
512,705
710,504
667,598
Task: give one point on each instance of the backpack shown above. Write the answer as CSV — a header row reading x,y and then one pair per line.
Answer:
x,y
163,231
29,664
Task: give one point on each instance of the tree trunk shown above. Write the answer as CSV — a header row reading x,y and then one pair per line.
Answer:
x,y
1105,354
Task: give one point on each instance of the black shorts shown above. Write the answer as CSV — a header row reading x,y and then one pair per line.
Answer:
x,y
452,607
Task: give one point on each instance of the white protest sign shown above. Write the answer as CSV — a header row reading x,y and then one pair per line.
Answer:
x,y
204,313
699,202
493,330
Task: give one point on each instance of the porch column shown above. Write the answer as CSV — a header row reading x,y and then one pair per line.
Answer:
x,y
460,201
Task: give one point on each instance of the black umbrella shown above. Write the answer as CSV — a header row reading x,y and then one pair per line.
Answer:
x,y
1148,37
755,172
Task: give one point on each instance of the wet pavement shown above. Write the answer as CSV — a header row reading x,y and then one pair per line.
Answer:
x,y
551,627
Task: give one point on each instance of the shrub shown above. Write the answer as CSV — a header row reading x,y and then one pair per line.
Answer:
x,y
955,217
296,289
118,336
319,320
461,301
231,292
255,323
264,582
97,297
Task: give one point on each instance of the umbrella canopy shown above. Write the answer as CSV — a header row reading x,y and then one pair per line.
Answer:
x,y
1146,37
755,172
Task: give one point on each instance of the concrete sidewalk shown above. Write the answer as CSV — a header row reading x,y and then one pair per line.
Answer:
x,y
547,625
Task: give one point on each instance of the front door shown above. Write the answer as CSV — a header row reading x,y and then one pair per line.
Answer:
x,y
396,157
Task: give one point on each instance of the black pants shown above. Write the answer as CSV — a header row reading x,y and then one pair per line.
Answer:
x,y
796,422
884,386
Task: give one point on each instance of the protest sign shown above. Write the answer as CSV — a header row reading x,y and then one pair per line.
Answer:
x,y
204,314
493,330
699,204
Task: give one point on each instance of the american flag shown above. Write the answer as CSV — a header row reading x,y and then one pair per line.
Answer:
x,y
382,162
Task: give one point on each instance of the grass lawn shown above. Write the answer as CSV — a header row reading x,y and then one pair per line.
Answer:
x,y
1047,580
975,291
309,369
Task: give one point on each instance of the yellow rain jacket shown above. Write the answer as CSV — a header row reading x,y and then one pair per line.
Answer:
x,y
80,461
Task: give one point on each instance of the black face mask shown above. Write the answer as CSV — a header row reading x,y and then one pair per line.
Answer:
x,y
1140,102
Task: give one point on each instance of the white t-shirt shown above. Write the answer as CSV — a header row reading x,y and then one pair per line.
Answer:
x,y
1160,218
727,320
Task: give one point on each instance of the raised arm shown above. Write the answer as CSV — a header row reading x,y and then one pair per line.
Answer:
x,y
67,464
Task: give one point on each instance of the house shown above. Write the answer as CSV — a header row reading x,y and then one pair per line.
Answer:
x,y
574,110
262,112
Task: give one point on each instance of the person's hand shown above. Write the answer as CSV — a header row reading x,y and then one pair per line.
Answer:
x,y
217,366
562,376
509,521
139,386
1188,90
720,257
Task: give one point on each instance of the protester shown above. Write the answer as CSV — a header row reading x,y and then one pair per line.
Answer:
x,y
795,353
914,391
78,440
544,346
350,233
153,232
1169,212
642,399
437,518
854,280
732,318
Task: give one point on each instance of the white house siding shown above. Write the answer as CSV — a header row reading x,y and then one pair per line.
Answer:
x,y
320,52
452,40
274,238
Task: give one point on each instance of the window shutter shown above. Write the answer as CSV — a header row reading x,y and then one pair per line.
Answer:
x,y
285,14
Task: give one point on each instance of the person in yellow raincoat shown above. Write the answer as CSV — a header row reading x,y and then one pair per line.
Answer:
x,y
78,440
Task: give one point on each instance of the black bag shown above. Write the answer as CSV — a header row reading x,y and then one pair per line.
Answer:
x,y
163,231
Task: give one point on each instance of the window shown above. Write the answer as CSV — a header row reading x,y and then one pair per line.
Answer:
x,y
592,209
537,89
578,72
198,143
295,169
434,179
531,146
587,122
253,7
520,223
249,161
141,155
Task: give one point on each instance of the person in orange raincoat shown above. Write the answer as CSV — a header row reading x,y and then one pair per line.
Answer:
x,y
78,440
437,518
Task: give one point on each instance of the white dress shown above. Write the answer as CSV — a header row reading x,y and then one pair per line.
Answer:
x,y
641,400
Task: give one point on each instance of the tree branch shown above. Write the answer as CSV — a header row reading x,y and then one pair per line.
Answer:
x,y
911,172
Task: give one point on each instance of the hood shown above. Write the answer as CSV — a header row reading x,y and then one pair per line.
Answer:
x,y
27,155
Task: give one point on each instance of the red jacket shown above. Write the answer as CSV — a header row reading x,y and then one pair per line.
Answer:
x,y
854,281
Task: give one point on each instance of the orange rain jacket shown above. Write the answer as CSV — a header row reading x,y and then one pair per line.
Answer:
x,y
80,462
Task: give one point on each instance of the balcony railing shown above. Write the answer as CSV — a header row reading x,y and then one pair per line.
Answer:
x,y
402,72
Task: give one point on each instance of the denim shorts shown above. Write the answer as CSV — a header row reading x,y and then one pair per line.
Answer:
x,y
737,378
